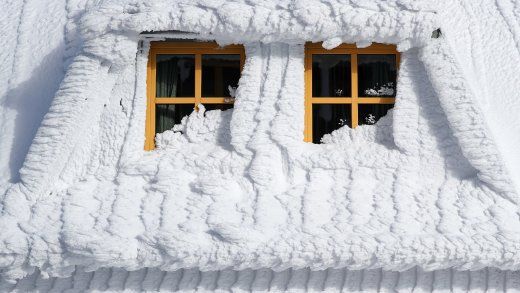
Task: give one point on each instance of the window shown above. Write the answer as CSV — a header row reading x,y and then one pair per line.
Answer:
x,y
182,75
347,86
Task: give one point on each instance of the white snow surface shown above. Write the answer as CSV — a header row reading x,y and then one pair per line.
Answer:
x,y
434,184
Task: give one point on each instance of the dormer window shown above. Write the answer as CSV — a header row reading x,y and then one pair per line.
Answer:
x,y
347,86
182,75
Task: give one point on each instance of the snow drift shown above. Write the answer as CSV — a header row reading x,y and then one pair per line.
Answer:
x,y
434,184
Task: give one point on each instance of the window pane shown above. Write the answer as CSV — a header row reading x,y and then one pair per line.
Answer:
x,y
219,73
327,118
331,75
166,116
377,75
175,75
223,107
370,114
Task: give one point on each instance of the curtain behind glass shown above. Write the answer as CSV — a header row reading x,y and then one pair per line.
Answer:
x,y
175,76
329,117
377,75
167,77
167,115
331,75
220,74
369,114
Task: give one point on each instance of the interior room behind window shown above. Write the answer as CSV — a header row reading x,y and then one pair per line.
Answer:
x,y
347,86
182,75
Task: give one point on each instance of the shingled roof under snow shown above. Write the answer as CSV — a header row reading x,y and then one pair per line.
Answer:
x,y
434,184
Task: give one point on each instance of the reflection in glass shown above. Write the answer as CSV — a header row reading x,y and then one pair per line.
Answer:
x,y
377,75
223,107
166,116
220,75
369,114
175,76
327,118
331,75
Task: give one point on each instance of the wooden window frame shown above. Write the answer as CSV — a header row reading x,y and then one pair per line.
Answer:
x,y
185,48
354,100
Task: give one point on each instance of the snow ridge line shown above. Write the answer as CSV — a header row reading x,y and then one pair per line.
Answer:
x,y
19,35
303,280
136,105
63,120
507,9
36,76
8,56
265,169
459,106
246,98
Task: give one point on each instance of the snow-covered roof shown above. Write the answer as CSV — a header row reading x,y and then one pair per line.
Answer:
x,y
434,184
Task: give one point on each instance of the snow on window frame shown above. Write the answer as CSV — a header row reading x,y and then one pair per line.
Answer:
x,y
185,47
354,99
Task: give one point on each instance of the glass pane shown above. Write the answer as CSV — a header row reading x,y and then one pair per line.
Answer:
x,y
223,107
377,75
331,75
329,117
220,75
166,116
175,76
370,113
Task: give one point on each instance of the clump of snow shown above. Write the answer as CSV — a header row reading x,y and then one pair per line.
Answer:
x,y
370,119
427,185
381,90
381,133
232,91
200,126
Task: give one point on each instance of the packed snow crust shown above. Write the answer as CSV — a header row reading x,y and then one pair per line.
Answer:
x,y
433,184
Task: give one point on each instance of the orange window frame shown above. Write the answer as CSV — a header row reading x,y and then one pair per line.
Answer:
x,y
188,48
355,99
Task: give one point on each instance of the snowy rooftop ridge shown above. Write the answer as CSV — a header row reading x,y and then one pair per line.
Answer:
x,y
433,184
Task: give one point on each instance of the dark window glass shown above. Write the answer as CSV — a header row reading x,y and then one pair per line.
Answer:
x,y
370,113
329,117
222,107
219,74
377,75
166,116
175,76
331,75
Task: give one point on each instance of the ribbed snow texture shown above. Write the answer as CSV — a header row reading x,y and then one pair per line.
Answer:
x,y
430,185
303,280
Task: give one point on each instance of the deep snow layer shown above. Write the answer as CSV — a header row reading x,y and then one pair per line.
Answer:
x,y
431,185
304,280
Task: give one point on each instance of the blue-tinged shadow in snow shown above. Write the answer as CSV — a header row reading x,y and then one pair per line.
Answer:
x,y
31,101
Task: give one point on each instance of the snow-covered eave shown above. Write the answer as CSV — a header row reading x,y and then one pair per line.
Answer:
x,y
289,22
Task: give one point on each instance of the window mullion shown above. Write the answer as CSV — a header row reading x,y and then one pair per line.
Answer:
x,y
242,61
355,94
198,79
150,120
308,97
